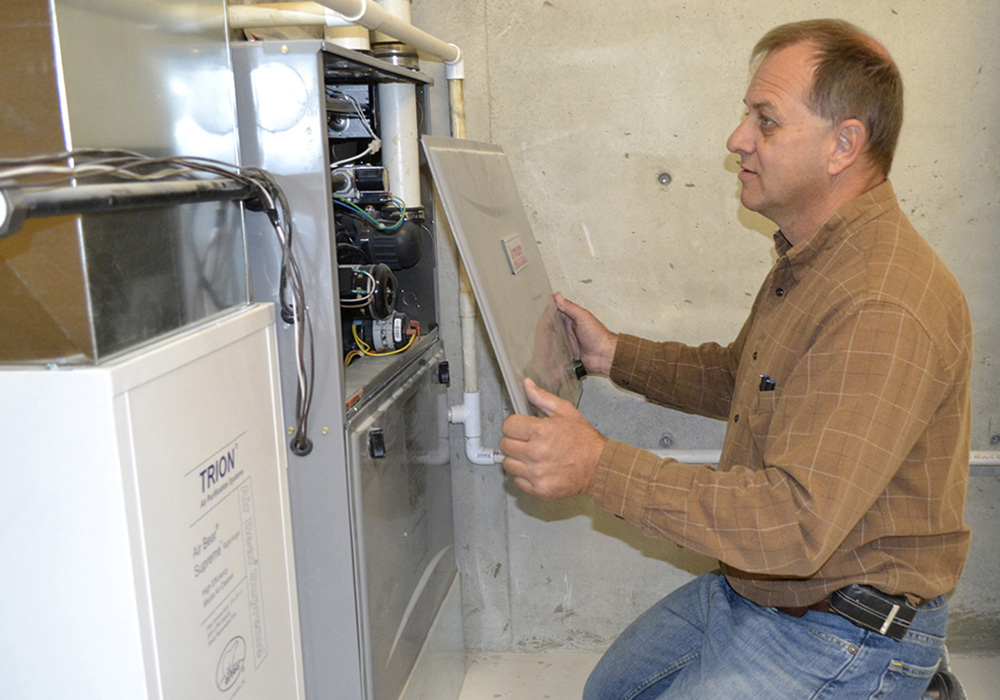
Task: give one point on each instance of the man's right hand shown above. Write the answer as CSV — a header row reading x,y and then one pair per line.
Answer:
x,y
595,344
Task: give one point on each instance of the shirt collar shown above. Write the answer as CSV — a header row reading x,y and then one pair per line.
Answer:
x,y
837,227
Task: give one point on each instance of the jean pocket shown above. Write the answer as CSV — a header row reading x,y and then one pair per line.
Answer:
x,y
903,680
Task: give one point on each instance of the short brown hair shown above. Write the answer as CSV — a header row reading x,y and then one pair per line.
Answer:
x,y
854,78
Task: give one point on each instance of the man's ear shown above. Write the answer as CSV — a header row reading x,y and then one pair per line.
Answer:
x,y
851,141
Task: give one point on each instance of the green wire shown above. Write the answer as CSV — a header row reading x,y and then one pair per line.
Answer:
x,y
358,210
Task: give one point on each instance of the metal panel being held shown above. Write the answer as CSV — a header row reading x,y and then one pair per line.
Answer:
x,y
505,268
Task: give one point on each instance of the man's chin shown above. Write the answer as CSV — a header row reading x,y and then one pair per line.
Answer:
x,y
748,200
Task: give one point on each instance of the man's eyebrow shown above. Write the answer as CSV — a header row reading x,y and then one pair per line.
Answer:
x,y
760,105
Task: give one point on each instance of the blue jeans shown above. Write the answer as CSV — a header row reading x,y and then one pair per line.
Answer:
x,y
706,642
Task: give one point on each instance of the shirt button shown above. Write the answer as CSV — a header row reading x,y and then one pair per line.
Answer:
x,y
780,292
755,354
736,418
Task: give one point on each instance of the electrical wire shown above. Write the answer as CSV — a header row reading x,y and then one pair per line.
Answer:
x,y
351,356
67,167
373,146
366,350
402,213
368,295
347,204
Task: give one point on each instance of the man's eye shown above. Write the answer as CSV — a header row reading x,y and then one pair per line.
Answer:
x,y
764,121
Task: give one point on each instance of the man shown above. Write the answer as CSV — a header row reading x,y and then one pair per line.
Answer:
x,y
836,510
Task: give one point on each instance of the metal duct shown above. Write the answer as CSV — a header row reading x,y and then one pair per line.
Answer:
x,y
85,74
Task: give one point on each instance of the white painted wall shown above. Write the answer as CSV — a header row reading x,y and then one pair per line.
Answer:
x,y
592,101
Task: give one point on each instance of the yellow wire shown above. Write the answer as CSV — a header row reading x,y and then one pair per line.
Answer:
x,y
363,347
350,356
366,349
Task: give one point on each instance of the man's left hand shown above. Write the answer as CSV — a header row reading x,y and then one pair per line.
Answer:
x,y
552,457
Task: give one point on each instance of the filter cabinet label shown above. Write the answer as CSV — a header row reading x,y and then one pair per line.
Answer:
x,y
225,566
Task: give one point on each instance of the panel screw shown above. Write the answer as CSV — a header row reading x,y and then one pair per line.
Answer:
x,y
664,179
666,442
995,440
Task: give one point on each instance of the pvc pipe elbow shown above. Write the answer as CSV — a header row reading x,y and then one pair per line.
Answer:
x,y
480,456
344,7
332,18
470,416
455,69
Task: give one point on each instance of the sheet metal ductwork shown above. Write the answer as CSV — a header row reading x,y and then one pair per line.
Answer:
x,y
79,289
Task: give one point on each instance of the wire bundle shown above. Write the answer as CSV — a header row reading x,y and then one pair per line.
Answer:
x,y
374,146
362,297
395,226
69,167
365,350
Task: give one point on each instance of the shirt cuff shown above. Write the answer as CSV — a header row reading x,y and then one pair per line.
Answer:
x,y
626,369
623,479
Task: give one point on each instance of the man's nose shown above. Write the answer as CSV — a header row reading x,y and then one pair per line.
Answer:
x,y
739,141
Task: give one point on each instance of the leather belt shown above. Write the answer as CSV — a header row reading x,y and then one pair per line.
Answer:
x,y
868,608
821,606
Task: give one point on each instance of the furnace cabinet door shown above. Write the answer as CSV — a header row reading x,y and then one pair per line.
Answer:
x,y
402,512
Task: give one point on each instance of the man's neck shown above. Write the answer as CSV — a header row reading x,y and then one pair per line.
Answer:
x,y
801,229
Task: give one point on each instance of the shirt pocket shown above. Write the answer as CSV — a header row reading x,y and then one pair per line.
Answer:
x,y
759,423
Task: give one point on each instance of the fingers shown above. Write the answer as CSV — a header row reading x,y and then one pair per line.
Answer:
x,y
574,342
511,447
513,465
524,478
567,307
517,427
551,457
524,485
539,398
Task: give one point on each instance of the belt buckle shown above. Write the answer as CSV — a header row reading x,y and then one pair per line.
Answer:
x,y
873,610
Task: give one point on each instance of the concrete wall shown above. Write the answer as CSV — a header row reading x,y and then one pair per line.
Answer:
x,y
592,102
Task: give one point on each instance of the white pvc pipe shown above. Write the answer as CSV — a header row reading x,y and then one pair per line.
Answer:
x,y
373,16
690,456
284,14
984,458
456,107
398,123
400,144
467,315
469,414
398,10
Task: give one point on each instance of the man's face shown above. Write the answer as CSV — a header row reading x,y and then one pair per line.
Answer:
x,y
783,147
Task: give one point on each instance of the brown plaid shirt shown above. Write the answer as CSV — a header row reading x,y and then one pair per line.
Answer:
x,y
852,466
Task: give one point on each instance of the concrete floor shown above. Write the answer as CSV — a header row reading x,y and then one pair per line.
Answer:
x,y
561,675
